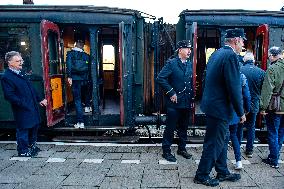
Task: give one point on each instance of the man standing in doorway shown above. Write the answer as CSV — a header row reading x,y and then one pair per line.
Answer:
x,y
78,73
176,80
222,95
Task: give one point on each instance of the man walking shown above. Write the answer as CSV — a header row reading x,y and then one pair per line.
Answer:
x,y
19,91
222,95
273,83
255,77
176,80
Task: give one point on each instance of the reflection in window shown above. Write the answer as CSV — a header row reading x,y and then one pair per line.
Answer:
x,y
108,57
54,64
15,39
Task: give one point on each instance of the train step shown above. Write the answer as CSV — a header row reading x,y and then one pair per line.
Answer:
x,y
90,128
97,139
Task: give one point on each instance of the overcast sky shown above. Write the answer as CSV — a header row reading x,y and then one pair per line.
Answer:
x,y
169,9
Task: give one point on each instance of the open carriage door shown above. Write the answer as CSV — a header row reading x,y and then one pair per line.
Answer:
x,y
192,36
261,48
52,72
261,55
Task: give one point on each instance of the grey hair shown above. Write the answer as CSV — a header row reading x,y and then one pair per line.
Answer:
x,y
249,56
10,55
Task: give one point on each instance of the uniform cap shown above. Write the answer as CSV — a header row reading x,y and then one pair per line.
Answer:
x,y
183,44
237,32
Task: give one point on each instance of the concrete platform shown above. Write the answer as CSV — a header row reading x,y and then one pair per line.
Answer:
x,y
107,165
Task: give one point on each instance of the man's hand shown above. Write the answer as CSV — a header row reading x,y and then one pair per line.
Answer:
x,y
69,81
263,112
243,118
43,102
174,98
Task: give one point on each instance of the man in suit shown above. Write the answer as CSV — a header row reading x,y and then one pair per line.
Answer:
x,y
176,80
19,91
222,95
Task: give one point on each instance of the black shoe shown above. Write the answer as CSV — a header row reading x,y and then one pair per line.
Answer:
x,y
184,154
27,154
268,161
233,177
249,154
169,157
35,150
209,182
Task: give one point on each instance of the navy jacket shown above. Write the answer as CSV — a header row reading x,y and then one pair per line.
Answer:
x,y
255,77
19,91
78,60
176,78
246,99
222,92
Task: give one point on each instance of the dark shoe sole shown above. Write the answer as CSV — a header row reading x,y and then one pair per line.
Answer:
x,y
206,183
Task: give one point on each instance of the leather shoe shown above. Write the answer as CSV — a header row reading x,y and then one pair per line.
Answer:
x,y
209,182
184,154
269,161
233,177
169,157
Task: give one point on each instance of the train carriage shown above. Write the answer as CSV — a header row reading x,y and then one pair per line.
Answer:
x,y
126,55
114,38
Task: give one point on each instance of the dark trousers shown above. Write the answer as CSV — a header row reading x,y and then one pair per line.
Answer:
x,y
214,148
180,117
77,85
275,128
25,138
250,125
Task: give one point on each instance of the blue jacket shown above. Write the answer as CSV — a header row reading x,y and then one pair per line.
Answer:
x,y
78,66
19,91
255,77
246,99
176,78
222,91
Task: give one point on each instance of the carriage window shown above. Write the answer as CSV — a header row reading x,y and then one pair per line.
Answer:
x,y
108,57
15,39
259,50
54,64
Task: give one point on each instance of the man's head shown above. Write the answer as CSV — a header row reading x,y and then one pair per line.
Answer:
x,y
235,38
184,49
249,57
274,53
14,60
80,43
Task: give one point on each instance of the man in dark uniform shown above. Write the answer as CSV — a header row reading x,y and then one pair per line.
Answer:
x,y
78,70
19,91
222,95
176,80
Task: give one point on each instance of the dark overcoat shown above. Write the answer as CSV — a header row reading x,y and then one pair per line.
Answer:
x,y
176,78
24,100
222,92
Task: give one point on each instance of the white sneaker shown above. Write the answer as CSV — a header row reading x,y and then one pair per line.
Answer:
x,y
77,125
88,109
239,165
82,125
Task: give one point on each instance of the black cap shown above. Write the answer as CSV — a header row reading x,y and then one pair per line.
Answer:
x,y
275,51
79,37
237,32
183,44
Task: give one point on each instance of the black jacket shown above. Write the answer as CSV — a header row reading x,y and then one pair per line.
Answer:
x,y
176,78
222,92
